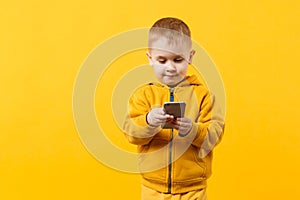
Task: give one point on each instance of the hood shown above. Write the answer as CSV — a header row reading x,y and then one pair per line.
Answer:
x,y
188,81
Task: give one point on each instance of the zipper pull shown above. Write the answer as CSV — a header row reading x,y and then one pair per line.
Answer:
x,y
171,94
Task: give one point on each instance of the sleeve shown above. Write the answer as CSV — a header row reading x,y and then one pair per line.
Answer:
x,y
208,128
135,127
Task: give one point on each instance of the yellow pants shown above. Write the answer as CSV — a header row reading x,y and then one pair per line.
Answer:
x,y
149,194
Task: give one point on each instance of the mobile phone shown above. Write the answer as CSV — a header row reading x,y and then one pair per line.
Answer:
x,y
174,108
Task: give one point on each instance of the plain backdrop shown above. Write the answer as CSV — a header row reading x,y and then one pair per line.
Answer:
x,y
255,45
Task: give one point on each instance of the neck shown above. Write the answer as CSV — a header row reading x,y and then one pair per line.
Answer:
x,y
172,86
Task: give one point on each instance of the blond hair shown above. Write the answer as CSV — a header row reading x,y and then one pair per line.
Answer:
x,y
174,30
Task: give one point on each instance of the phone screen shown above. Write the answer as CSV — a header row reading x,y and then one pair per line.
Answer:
x,y
174,108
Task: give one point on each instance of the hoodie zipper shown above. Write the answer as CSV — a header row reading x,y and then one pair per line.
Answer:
x,y
170,149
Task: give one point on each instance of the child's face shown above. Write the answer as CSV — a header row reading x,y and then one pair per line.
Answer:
x,y
170,63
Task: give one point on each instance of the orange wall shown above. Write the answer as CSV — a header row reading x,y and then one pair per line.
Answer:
x,y
255,46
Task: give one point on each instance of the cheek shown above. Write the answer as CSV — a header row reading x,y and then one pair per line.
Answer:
x,y
182,69
158,70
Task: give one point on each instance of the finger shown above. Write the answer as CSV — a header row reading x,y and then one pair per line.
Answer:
x,y
159,122
175,125
169,117
183,119
158,111
181,123
168,120
161,112
161,117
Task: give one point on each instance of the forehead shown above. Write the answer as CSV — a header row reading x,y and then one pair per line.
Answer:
x,y
157,53
164,47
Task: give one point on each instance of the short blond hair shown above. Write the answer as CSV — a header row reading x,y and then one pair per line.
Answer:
x,y
173,29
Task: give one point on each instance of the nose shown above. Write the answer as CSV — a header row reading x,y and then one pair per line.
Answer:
x,y
171,67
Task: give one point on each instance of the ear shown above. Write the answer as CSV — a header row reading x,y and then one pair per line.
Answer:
x,y
149,58
192,53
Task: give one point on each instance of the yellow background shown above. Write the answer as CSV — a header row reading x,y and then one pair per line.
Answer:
x,y
255,45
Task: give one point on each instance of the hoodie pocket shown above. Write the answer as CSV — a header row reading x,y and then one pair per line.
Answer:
x,y
189,167
153,160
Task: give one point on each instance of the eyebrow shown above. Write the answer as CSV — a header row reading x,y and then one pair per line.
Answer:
x,y
160,57
176,56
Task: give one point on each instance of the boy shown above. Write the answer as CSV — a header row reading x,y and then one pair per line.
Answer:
x,y
176,162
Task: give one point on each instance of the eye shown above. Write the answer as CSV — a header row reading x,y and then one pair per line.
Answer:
x,y
162,61
178,60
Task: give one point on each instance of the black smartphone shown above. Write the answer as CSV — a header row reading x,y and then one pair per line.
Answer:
x,y
174,108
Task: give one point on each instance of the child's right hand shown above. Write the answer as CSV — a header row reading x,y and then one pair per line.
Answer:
x,y
157,117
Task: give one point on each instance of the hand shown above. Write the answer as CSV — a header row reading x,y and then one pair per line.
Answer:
x,y
183,125
157,117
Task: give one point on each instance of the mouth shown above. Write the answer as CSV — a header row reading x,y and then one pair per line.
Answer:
x,y
171,76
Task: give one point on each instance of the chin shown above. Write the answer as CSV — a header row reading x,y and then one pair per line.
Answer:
x,y
170,82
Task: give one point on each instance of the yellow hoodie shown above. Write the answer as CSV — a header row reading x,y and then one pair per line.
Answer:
x,y
168,162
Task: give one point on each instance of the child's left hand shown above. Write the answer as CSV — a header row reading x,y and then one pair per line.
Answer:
x,y
183,125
